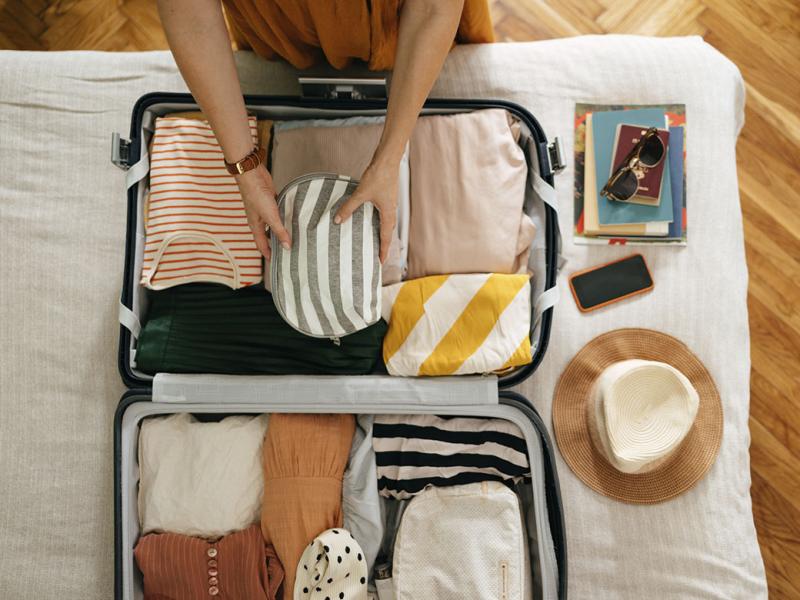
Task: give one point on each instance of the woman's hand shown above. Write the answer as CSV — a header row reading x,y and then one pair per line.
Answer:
x,y
258,193
379,186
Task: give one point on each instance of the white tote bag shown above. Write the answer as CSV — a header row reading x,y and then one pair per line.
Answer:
x,y
462,542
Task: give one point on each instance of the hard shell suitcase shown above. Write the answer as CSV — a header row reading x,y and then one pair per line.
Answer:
x,y
218,395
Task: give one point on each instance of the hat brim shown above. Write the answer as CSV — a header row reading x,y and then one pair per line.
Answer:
x,y
689,462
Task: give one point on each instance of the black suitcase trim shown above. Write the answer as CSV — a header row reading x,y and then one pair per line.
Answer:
x,y
555,509
132,380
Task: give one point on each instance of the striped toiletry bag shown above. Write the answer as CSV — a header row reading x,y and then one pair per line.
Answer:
x,y
328,284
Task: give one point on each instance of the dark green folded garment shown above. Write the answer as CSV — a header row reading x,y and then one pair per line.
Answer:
x,y
204,328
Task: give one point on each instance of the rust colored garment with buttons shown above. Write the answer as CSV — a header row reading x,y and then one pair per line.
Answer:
x,y
239,566
306,32
304,461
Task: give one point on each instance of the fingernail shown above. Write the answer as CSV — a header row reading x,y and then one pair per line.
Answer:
x,y
285,245
337,219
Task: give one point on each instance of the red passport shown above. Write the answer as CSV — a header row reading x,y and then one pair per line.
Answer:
x,y
627,137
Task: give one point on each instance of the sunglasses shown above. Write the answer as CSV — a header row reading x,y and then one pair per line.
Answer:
x,y
646,154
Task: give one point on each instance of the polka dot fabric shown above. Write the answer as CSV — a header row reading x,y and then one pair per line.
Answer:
x,y
332,568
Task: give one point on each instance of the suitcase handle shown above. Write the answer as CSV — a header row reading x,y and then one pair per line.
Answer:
x,y
334,88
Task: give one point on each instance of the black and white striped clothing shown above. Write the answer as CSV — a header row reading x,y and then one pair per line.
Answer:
x,y
415,451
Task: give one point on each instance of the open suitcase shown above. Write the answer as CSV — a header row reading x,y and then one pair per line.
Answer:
x,y
216,396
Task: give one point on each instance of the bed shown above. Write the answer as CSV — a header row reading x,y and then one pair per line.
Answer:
x,y
62,236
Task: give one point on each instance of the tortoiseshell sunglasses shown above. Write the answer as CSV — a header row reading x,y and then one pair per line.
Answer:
x,y
646,154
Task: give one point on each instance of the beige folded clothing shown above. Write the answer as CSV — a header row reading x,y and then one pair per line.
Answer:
x,y
200,479
344,147
468,176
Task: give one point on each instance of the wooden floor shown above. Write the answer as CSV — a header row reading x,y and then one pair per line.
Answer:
x,y
763,39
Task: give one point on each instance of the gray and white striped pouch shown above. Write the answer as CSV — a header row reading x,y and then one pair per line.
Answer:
x,y
329,283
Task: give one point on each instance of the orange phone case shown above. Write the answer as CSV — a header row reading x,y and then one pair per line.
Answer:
x,y
612,301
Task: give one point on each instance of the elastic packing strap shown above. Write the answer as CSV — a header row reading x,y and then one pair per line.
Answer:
x,y
547,194
134,175
549,297
129,320
138,171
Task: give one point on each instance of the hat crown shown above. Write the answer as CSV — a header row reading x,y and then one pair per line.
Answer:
x,y
648,408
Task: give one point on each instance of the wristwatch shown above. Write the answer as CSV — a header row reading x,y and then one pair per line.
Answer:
x,y
249,162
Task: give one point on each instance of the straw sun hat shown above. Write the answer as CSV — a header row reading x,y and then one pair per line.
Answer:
x,y
637,416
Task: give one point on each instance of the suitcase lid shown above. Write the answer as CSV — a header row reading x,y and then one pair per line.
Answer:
x,y
345,99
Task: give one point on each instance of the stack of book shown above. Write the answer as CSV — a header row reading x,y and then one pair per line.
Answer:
x,y
604,137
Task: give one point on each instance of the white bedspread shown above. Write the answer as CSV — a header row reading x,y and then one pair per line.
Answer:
x,y
62,230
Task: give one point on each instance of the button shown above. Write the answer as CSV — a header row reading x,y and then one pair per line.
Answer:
x,y
212,552
212,573
213,581
213,590
212,563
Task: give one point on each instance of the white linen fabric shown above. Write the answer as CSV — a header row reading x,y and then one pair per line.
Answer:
x,y
62,238
463,537
200,479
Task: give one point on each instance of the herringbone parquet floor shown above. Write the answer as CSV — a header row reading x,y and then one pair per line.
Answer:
x,y
763,39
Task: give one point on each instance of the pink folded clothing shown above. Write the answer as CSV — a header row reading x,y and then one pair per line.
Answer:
x,y
468,177
195,226
343,147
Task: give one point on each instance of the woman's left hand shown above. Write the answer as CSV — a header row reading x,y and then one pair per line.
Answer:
x,y
379,186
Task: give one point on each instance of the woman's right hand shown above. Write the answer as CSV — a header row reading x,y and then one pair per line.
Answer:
x,y
258,193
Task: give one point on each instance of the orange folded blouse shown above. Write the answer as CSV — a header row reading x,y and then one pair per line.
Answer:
x,y
239,566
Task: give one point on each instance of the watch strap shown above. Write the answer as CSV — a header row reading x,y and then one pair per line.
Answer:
x,y
248,163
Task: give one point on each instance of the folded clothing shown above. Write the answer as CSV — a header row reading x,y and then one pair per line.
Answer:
x,y
457,324
264,125
200,479
328,283
237,567
467,538
333,566
304,462
201,328
468,177
196,228
413,452
342,147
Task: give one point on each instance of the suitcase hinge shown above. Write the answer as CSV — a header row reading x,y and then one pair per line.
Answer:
x,y
332,88
120,151
555,152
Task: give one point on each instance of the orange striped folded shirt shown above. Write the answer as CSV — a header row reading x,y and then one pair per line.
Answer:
x,y
195,226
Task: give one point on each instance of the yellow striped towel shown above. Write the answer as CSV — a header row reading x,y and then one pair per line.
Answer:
x,y
457,324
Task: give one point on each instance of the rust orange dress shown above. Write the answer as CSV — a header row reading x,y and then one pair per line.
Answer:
x,y
306,32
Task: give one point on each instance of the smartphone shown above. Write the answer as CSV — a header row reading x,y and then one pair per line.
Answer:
x,y
599,286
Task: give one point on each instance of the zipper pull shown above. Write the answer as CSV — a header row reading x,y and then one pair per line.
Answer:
x,y
336,340
383,571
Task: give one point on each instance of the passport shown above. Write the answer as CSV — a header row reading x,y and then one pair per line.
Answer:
x,y
627,137
604,129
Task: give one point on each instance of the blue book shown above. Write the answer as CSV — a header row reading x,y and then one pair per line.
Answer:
x,y
604,130
675,155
